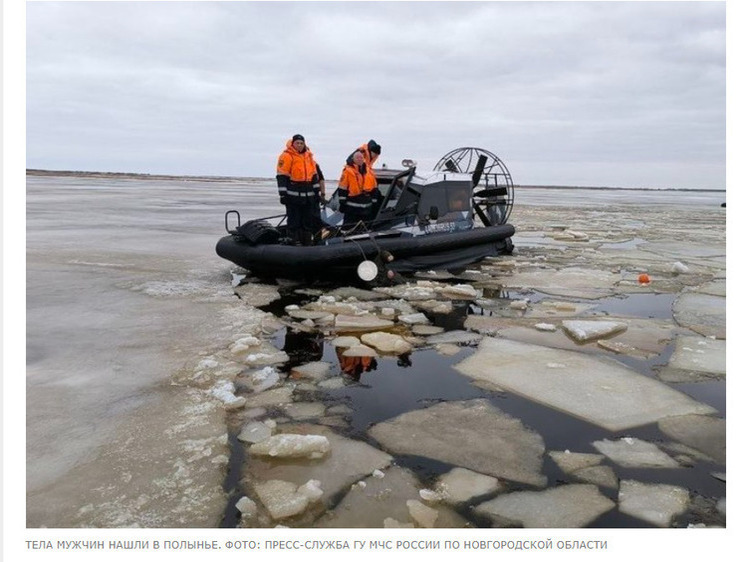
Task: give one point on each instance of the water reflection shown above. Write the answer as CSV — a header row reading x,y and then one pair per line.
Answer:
x,y
354,367
303,347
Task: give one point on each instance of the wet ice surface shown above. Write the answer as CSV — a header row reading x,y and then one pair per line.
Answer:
x,y
139,336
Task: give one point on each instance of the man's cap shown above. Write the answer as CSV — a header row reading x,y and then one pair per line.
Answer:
x,y
299,137
374,147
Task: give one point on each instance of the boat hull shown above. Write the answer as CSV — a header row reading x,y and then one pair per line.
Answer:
x,y
447,250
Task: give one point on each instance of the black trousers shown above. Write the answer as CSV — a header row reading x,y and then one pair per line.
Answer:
x,y
302,222
353,215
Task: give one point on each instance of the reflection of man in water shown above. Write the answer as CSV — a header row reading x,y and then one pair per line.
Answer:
x,y
302,347
355,366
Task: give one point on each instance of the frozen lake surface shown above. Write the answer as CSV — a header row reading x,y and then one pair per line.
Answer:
x,y
131,315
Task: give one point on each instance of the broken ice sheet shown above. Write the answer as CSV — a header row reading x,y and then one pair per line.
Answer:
x,y
461,485
703,433
285,499
585,467
304,410
583,331
472,434
599,390
455,336
603,476
631,452
704,314
643,339
316,370
384,498
289,446
364,323
347,461
654,503
386,343
568,506
569,282
570,462
695,358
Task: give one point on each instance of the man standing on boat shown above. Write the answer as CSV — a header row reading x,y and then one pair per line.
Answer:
x,y
357,190
370,150
299,186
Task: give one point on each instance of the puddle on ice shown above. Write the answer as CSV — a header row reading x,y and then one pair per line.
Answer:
x,y
385,387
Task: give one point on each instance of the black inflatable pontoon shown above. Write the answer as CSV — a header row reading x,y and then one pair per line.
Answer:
x,y
423,222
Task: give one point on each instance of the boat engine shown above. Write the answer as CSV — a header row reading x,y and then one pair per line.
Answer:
x,y
493,188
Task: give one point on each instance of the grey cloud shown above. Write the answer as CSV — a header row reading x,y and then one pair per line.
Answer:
x,y
217,87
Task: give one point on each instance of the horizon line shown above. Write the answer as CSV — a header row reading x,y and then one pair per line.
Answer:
x,y
41,171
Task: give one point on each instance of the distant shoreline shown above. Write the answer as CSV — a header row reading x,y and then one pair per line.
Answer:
x,y
127,175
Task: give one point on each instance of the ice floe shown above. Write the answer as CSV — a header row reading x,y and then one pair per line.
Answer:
x,y
387,343
360,351
657,504
316,370
423,330
472,434
288,445
569,282
261,359
461,485
391,501
448,349
259,381
345,341
365,323
603,476
247,507
270,397
333,383
570,462
703,433
254,432
243,344
583,331
569,506
416,318
423,515
704,314
643,339
462,337
304,410
346,462
599,390
635,453
695,358
435,306
224,391
284,499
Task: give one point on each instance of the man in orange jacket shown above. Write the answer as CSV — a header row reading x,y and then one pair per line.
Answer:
x,y
358,193
299,186
370,150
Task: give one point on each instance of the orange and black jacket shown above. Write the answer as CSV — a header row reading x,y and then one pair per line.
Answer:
x,y
368,157
357,188
298,176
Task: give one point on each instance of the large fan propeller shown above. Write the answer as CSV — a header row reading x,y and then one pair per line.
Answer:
x,y
493,193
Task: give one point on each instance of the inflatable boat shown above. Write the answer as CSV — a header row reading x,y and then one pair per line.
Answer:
x,y
444,219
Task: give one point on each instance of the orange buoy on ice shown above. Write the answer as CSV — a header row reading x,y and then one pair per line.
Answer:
x,y
644,279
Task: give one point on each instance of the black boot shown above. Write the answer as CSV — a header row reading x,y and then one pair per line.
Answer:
x,y
294,237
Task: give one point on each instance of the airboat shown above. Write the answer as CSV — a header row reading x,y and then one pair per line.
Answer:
x,y
444,219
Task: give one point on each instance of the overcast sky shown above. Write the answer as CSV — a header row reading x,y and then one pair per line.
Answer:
x,y
629,94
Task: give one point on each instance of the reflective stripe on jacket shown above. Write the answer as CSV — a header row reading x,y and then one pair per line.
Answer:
x,y
356,187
